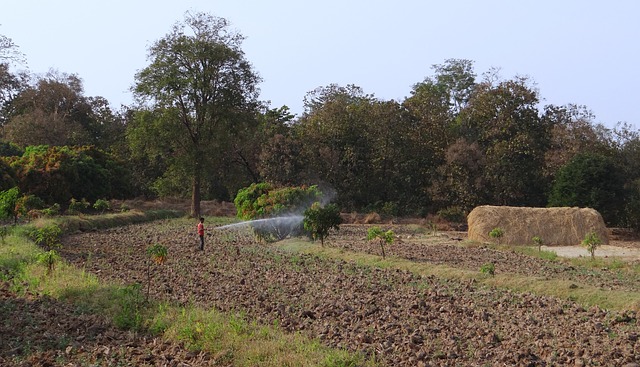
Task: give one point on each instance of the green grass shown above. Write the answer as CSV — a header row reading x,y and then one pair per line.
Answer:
x,y
230,337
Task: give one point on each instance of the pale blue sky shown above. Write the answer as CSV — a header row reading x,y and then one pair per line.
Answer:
x,y
584,52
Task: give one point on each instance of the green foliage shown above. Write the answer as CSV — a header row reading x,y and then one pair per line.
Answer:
x,y
537,240
59,173
52,210
591,241
158,253
496,233
593,181
4,232
196,118
49,259
130,309
488,268
8,200
28,203
263,200
101,205
319,221
382,237
49,238
76,206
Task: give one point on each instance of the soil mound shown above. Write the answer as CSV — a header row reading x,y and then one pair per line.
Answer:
x,y
555,226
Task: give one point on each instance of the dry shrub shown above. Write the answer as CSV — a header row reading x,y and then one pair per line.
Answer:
x,y
556,226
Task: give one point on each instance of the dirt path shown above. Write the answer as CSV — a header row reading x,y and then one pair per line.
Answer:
x,y
606,251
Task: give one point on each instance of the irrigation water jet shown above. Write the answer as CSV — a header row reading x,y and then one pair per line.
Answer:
x,y
278,227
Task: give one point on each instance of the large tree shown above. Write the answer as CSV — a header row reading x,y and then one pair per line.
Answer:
x,y
52,110
202,90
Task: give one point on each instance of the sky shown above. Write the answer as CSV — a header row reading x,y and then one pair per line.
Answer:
x,y
580,52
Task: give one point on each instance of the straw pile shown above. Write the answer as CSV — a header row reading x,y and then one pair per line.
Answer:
x,y
555,226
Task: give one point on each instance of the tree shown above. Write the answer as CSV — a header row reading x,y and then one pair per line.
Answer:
x,y
377,234
54,111
503,119
590,180
201,88
8,200
320,220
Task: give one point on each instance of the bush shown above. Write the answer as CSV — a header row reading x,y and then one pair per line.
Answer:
x,y
76,206
319,221
101,205
263,200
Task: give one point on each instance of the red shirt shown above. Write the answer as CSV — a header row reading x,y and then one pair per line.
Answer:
x,y
201,229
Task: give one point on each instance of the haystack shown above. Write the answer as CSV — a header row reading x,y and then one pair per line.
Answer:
x,y
555,226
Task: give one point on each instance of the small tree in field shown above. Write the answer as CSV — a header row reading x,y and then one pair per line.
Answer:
x,y
158,254
319,221
49,238
375,233
591,242
537,240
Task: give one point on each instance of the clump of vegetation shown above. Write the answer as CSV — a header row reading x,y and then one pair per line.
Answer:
x,y
52,210
4,232
78,206
158,254
537,240
488,268
49,238
263,200
496,233
8,200
591,241
320,220
383,238
101,205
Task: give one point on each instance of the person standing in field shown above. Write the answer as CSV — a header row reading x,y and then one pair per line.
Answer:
x,y
200,228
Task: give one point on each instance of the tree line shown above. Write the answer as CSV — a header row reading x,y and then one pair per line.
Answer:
x,y
198,130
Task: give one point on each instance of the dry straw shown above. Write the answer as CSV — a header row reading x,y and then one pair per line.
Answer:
x,y
555,226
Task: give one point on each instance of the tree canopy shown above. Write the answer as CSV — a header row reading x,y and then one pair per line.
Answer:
x,y
197,92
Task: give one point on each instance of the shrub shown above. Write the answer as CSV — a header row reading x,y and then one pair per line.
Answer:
x,y
591,242
8,204
263,200
101,205
488,268
319,221
375,233
496,233
49,238
76,206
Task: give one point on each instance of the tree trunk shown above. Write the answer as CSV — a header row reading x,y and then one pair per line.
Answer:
x,y
195,194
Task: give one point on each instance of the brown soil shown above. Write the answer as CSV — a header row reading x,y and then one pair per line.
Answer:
x,y
400,318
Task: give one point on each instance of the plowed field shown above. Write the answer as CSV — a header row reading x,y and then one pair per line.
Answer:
x,y
397,317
